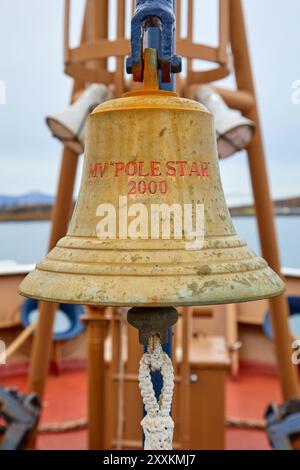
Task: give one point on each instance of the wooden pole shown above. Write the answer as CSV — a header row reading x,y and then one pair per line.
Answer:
x,y
41,348
223,31
185,384
114,425
232,336
119,80
17,343
98,26
96,325
97,328
263,203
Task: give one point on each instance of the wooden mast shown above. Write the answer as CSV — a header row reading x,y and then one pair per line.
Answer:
x,y
263,202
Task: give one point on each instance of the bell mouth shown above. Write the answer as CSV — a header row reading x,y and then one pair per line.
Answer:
x,y
51,288
86,271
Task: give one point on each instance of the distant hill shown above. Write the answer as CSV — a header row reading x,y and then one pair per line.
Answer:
x,y
38,206
25,200
291,202
289,206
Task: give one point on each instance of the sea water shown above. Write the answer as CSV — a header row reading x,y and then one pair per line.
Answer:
x,y
26,242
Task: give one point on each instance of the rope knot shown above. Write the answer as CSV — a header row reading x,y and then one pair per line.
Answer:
x,y
158,432
157,425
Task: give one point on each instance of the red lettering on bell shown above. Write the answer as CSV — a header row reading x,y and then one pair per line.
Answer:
x,y
131,169
141,169
119,168
155,168
171,169
102,168
93,170
182,167
98,169
204,166
195,169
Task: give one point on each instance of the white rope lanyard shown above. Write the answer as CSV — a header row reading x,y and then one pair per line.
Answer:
x,y
157,425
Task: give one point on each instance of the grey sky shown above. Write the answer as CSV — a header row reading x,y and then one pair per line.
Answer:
x,y
31,64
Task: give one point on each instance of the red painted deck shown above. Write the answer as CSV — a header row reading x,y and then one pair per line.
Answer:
x,y
66,401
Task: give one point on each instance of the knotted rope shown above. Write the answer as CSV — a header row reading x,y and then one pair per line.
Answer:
x,y
157,425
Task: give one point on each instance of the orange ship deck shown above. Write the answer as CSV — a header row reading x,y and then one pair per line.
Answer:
x,y
65,400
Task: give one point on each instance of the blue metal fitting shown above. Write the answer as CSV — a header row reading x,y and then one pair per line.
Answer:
x,y
283,424
149,14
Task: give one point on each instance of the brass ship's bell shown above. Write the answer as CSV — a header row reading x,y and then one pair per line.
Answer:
x,y
147,149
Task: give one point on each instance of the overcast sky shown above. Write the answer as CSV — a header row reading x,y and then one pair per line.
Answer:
x,y
31,64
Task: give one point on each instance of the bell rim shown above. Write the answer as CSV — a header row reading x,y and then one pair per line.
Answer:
x,y
218,295
158,304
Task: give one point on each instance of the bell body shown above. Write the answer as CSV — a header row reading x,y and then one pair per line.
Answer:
x,y
150,149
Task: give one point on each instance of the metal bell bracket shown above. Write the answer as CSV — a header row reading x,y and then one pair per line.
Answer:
x,y
283,423
154,14
154,323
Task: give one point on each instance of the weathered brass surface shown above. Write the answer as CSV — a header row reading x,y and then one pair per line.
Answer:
x,y
154,148
152,321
